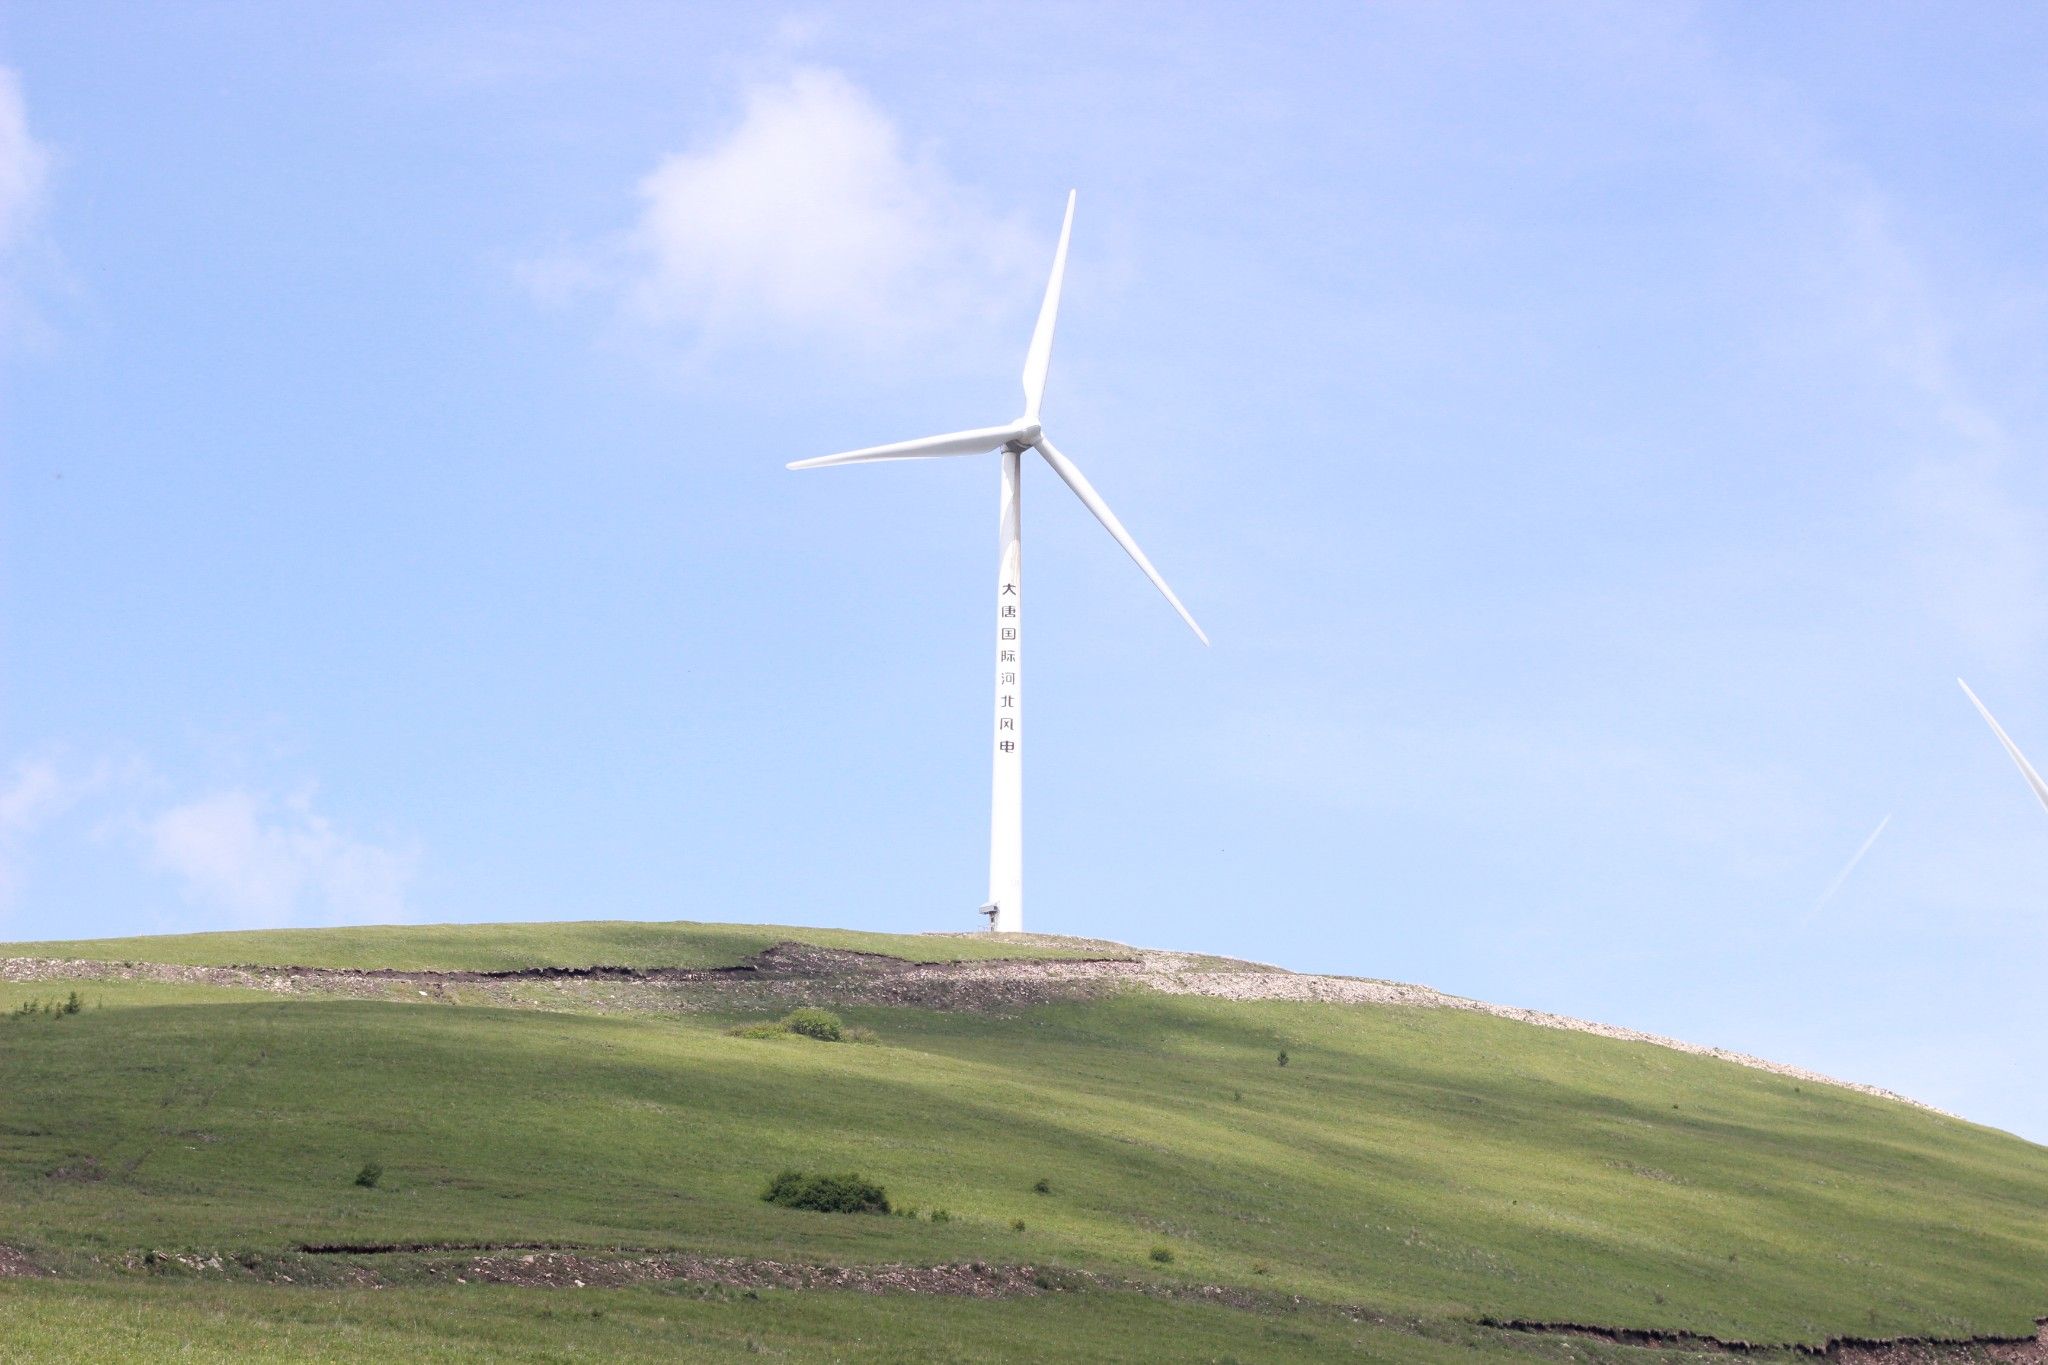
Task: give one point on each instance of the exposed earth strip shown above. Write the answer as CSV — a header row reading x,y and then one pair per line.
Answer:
x,y
362,1266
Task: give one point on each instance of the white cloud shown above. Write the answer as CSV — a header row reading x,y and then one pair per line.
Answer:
x,y
23,164
30,795
274,862
41,790
24,167
240,851
35,791
808,219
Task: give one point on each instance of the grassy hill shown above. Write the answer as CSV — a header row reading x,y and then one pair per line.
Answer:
x,y
1411,1174
514,947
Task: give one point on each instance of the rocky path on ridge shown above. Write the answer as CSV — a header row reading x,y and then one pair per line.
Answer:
x,y
792,973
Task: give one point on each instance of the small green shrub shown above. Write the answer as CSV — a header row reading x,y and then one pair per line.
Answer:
x,y
1283,1056
1043,1186
941,1216
1163,1255
369,1175
1016,1225
846,1193
70,1004
813,1022
808,1022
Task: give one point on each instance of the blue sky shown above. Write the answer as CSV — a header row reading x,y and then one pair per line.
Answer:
x,y
1595,437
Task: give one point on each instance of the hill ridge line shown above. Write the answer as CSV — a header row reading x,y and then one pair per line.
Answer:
x,y
1166,971
1161,972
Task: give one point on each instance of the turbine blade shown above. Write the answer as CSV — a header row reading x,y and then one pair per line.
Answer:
x,y
1848,867
1039,358
1085,491
924,448
2011,749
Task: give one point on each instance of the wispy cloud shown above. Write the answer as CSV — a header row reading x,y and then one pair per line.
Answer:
x,y
23,163
35,790
810,218
1510,777
1976,535
39,791
268,862
24,173
1975,532
493,54
242,853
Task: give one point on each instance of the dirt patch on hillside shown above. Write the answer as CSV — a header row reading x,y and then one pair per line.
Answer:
x,y
15,1265
791,973
374,1266
1849,1351
368,1265
562,1269
2034,1352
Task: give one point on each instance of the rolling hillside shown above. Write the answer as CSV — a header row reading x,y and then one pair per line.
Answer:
x,y
569,1162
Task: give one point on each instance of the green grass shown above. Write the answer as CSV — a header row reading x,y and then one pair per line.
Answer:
x,y
113,994
512,947
233,1323
1436,1166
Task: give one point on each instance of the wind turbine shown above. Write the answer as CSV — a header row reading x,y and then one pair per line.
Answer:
x,y
2012,749
1005,905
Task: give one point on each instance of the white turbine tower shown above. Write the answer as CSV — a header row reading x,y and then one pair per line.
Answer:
x,y
1005,905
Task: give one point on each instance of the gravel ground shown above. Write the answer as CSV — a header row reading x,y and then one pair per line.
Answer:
x,y
2033,1352
572,1270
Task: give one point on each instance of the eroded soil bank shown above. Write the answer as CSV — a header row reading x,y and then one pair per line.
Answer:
x,y
1851,1351
570,1268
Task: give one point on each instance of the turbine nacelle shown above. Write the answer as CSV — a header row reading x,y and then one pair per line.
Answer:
x,y
1024,433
